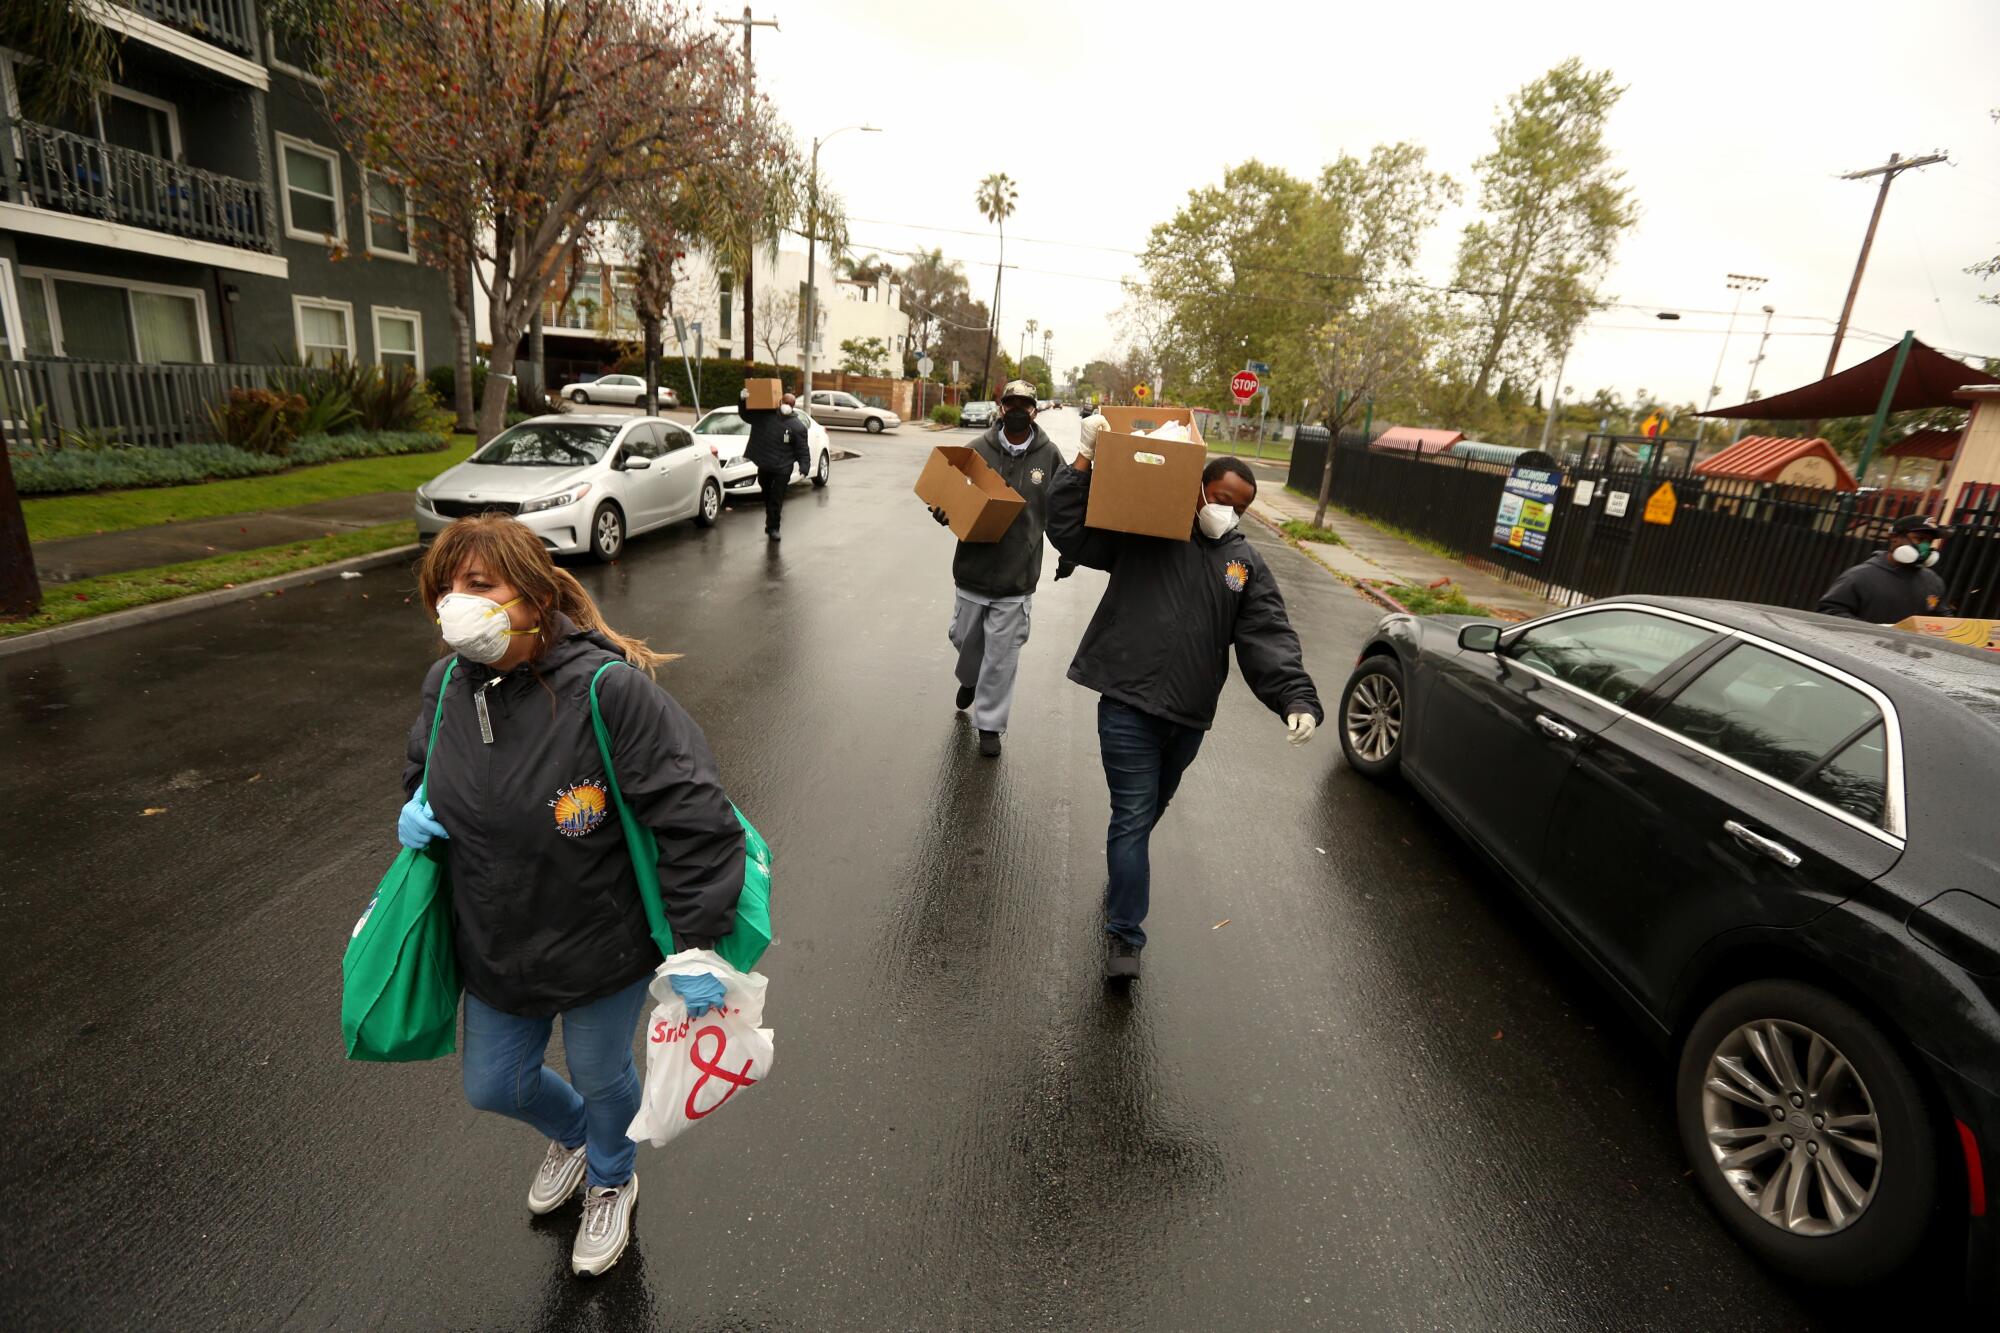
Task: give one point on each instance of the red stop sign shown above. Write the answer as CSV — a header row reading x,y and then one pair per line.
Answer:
x,y
1244,385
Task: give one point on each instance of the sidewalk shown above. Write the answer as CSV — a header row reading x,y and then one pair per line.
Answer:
x,y
171,543
1370,553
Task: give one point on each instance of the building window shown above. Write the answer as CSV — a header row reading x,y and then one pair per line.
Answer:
x,y
399,339
388,219
310,180
728,303
143,124
326,330
10,316
88,318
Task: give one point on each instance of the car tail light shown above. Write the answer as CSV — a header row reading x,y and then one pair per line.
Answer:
x,y
1975,1173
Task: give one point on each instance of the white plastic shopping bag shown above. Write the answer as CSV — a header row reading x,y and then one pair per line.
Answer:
x,y
695,1065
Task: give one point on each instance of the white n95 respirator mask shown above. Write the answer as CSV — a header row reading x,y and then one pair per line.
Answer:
x,y
477,628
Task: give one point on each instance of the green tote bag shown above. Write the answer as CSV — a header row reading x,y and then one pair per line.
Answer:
x,y
751,934
399,980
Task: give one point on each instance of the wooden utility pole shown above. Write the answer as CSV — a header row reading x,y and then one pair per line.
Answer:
x,y
1888,171
749,23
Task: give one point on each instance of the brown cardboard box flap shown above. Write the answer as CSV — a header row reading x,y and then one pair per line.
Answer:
x,y
1142,485
978,504
763,393
1971,633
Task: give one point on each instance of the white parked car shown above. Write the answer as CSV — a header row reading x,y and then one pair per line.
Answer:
x,y
833,407
583,483
624,390
728,435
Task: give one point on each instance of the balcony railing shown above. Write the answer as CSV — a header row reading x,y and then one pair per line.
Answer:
x,y
223,22
616,322
71,173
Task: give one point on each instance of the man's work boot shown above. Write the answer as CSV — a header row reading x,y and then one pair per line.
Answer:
x,y
1123,962
964,697
989,744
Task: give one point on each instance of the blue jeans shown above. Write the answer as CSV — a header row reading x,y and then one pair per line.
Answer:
x,y
1144,757
504,1073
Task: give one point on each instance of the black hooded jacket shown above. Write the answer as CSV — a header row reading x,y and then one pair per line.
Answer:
x,y
776,440
546,906
1883,592
1012,566
1161,637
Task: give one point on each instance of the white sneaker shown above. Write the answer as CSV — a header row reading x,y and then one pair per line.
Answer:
x,y
606,1227
560,1173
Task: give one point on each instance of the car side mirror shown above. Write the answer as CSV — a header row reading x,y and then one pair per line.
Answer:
x,y
636,464
1480,638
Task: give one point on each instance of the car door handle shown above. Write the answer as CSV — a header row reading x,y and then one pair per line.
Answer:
x,y
1762,845
1554,728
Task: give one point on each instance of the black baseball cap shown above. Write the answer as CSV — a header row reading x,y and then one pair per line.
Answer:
x,y
1918,523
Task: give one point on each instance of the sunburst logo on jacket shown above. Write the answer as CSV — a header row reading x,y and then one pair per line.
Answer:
x,y
1235,574
579,808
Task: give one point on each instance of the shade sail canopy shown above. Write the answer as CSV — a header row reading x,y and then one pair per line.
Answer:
x,y
1941,445
1930,379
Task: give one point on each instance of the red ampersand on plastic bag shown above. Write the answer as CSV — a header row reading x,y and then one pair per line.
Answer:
x,y
710,1069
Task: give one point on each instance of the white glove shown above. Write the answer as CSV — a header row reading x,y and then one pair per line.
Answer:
x,y
1301,727
1087,448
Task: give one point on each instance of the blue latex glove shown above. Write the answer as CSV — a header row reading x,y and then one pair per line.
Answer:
x,y
416,826
701,992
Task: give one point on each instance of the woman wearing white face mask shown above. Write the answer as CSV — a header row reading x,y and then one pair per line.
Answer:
x,y
1157,653
547,915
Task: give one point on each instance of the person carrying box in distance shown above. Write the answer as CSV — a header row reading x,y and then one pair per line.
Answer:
x,y
777,441
995,581
1156,652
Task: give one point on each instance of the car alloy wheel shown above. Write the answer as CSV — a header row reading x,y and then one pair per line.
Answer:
x,y
874,425
824,472
607,533
1374,717
711,504
1792,1128
579,396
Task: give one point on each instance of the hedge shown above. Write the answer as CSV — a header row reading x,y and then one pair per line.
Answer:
x,y
119,469
721,380
945,414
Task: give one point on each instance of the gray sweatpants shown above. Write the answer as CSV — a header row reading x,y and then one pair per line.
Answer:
x,y
989,639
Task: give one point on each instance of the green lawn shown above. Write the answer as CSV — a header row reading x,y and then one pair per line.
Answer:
x,y
60,516
65,602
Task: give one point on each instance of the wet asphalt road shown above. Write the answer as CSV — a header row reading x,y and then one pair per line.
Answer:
x,y
1377,1098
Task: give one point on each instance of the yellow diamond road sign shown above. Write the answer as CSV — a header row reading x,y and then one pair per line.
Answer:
x,y
1141,392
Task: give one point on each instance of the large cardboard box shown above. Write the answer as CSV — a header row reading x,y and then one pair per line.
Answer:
x,y
978,504
1142,485
1971,633
763,393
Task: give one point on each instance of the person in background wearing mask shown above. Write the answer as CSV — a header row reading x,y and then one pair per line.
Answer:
x,y
548,919
778,441
1895,584
1156,652
996,580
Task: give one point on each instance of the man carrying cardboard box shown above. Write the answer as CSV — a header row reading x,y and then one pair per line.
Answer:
x,y
1156,653
996,580
777,441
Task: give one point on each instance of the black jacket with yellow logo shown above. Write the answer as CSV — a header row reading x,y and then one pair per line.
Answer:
x,y
1161,637
1883,592
1012,566
547,908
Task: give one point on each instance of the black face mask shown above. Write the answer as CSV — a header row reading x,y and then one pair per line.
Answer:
x,y
1017,420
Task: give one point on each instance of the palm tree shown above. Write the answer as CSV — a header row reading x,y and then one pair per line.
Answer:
x,y
996,204
1028,340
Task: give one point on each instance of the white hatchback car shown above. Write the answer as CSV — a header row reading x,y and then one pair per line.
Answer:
x,y
728,435
583,483
624,390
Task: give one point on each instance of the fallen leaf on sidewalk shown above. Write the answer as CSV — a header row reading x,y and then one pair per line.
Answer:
x,y
1497,1034
255,776
154,810
208,548
1220,924
1320,850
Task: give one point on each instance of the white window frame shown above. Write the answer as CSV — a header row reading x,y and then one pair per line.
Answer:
x,y
303,303
172,113
285,66
368,219
339,236
49,276
10,312
416,317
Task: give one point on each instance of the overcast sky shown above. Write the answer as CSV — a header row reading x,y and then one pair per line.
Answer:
x,y
1738,121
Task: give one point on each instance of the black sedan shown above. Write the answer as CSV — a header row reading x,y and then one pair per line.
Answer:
x,y
1773,835
981,415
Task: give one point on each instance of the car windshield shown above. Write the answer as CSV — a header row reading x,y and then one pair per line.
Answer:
x,y
548,444
722,423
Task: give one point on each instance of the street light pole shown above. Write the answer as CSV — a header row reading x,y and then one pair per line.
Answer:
x,y
1738,283
1556,394
812,256
1755,361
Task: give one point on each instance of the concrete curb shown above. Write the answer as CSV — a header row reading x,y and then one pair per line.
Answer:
x,y
201,601
1381,598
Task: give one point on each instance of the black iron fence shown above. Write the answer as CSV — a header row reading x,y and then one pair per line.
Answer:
x,y
1728,539
48,404
72,173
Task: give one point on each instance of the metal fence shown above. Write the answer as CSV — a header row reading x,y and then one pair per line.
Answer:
x,y
47,403
72,173
1729,539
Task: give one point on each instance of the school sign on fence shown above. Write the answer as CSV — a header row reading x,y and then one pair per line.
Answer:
x,y
1527,507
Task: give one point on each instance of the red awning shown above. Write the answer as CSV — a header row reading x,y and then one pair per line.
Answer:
x,y
1771,458
1939,444
1416,440
1930,379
